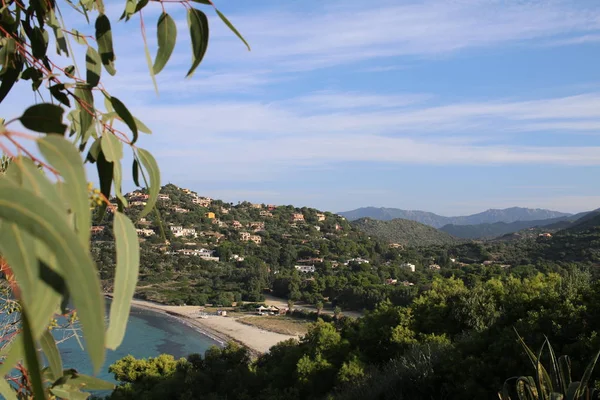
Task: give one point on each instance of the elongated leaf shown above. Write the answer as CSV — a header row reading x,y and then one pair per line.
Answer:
x,y
86,382
141,126
135,172
105,176
34,215
93,67
151,167
63,156
149,62
10,76
18,248
39,42
111,147
85,106
32,360
117,180
46,118
207,2
586,376
61,42
198,24
32,178
12,354
126,116
166,32
6,390
126,275
52,354
230,26
68,392
105,43
15,246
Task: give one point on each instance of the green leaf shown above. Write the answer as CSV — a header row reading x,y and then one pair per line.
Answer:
x,y
198,24
150,165
35,215
111,147
52,354
55,91
135,172
86,382
126,275
79,37
6,390
85,106
46,118
105,43
207,2
586,376
69,392
93,67
61,42
230,25
63,156
18,248
105,176
141,127
39,42
126,116
149,62
166,32
32,360
117,179
10,76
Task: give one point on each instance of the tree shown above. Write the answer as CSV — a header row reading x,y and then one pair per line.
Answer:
x,y
45,213
319,307
337,312
290,304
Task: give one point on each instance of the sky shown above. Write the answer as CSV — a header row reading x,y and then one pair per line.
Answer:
x,y
449,106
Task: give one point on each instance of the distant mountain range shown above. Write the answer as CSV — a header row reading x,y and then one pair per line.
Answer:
x,y
492,216
487,231
404,231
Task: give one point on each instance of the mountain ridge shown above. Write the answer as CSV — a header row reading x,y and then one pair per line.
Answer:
x,y
490,216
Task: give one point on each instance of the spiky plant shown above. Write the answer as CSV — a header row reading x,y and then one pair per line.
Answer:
x,y
554,385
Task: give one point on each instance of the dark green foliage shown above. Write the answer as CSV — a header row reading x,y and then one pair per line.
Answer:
x,y
404,231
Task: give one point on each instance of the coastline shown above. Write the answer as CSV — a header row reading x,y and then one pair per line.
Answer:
x,y
220,329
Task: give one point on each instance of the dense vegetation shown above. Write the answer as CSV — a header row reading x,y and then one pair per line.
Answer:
x,y
404,231
167,275
454,341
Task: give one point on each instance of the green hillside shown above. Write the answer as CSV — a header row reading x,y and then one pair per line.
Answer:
x,y
404,231
219,253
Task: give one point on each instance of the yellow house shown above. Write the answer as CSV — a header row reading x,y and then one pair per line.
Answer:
x,y
210,215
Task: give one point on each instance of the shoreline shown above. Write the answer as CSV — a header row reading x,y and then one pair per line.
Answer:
x,y
219,329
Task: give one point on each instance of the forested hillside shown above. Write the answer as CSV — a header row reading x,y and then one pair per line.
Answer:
x,y
403,231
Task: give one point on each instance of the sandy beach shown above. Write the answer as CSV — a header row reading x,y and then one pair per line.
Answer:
x,y
221,329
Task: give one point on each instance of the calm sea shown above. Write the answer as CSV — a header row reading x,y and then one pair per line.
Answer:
x,y
148,334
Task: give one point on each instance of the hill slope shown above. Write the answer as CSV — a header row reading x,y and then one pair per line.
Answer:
x,y
490,216
403,231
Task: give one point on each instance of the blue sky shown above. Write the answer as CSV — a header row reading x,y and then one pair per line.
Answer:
x,y
450,106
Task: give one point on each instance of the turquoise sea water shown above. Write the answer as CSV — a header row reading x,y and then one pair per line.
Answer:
x,y
148,334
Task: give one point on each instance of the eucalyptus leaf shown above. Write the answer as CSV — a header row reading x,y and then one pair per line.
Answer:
x,y
111,147
230,26
198,24
93,67
48,345
105,43
126,275
126,116
151,166
44,117
34,215
63,156
166,32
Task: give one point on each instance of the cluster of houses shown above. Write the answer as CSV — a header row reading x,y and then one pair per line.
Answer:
x,y
247,237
